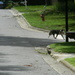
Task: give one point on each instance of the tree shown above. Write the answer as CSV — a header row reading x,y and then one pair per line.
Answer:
x,y
64,0
7,3
38,2
61,5
17,0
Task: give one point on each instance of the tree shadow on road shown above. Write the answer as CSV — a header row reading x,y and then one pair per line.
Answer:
x,y
25,41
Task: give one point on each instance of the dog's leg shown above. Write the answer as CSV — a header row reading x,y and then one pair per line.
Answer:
x,y
62,36
56,36
48,36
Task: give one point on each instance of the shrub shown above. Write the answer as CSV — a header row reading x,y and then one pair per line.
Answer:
x,y
9,6
61,6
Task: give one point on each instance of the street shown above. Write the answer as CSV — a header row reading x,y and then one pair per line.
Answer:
x,y
17,48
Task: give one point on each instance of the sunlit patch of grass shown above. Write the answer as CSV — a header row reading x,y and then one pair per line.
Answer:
x,y
71,60
52,20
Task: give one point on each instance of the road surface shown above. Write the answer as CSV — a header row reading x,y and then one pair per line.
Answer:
x,y
17,48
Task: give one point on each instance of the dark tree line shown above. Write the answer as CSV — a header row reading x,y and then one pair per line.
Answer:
x,y
39,2
61,5
36,2
64,0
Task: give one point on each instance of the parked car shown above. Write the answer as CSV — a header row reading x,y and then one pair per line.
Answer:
x,y
1,5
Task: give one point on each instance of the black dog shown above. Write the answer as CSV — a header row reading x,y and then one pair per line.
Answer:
x,y
57,32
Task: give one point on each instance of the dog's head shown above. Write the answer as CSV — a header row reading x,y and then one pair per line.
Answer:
x,y
62,31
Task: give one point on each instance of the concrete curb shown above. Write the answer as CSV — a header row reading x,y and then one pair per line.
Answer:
x,y
62,61
32,26
68,65
29,26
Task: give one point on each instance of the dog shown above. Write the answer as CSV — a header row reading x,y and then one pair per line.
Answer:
x,y
56,32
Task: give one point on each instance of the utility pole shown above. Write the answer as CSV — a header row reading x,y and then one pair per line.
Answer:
x,y
66,18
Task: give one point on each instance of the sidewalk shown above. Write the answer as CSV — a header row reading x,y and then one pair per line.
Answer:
x,y
59,57
55,60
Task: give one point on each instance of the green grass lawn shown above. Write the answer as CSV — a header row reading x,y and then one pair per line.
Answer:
x,y
31,8
52,20
71,61
68,47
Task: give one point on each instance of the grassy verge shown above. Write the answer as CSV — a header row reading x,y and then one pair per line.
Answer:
x,y
71,61
52,19
64,47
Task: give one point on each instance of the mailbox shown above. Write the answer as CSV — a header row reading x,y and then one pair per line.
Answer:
x,y
71,35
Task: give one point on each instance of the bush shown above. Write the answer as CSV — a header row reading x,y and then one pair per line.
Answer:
x,y
61,6
71,7
9,6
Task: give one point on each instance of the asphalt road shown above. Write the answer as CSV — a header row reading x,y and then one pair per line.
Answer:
x,y
17,48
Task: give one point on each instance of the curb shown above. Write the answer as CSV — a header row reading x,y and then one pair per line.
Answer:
x,y
62,61
29,26
32,26
68,65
